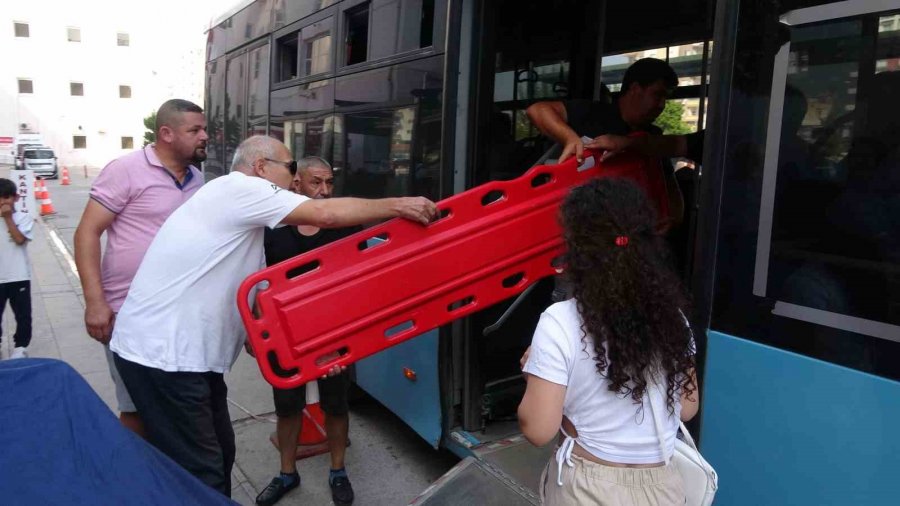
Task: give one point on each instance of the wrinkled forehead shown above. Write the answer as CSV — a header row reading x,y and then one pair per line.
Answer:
x,y
318,171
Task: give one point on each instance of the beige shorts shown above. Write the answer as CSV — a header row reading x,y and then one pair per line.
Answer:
x,y
589,483
123,399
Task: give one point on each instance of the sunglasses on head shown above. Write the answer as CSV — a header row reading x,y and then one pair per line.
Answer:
x,y
291,165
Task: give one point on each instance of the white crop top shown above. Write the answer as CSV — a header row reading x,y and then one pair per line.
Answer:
x,y
610,426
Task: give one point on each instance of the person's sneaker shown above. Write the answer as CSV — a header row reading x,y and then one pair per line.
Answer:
x,y
341,491
275,490
19,352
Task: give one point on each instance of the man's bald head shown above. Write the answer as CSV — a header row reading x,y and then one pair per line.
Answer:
x,y
255,148
265,157
171,113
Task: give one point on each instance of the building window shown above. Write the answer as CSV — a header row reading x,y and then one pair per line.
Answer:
x,y
122,39
25,86
357,30
21,30
76,89
79,142
127,142
74,34
124,91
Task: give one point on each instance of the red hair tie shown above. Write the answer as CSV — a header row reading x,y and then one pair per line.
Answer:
x,y
622,241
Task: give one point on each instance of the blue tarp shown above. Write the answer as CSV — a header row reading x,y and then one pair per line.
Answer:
x,y
60,444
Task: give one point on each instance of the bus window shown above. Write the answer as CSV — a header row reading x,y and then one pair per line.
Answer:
x,y
532,81
524,60
388,131
308,51
683,113
258,88
316,48
314,137
287,57
356,28
235,102
823,274
410,24
214,165
377,147
284,12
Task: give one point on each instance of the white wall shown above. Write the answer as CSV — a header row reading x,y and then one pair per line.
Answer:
x,y
164,60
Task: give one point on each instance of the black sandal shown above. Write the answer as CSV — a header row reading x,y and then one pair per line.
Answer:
x,y
275,490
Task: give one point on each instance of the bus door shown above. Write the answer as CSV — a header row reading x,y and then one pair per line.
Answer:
x,y
556,50
526,52
802,386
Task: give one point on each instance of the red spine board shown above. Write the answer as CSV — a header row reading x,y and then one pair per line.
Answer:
x,y
361,301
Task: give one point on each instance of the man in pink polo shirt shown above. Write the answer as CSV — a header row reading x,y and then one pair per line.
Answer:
x,y
130,200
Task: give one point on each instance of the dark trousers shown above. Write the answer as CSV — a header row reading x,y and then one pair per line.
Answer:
x,y
186,417
18,293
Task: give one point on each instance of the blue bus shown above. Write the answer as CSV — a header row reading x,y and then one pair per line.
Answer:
x,y
790,243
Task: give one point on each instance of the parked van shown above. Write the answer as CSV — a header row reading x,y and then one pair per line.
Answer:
x,y
26,141
40,159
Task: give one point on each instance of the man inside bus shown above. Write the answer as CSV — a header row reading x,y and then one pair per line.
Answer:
x,y
646,86
314,179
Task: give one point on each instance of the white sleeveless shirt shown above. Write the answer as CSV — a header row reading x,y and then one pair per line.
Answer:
x,y
610,426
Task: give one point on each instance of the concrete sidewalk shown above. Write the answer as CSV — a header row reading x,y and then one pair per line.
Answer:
x,y
387,462
58,318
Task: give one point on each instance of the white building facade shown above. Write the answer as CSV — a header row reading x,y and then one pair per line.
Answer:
x,y
85,74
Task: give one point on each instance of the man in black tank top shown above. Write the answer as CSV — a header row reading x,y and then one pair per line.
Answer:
x,y
314,179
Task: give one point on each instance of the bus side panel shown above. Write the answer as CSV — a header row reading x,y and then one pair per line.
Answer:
x,y
800,430
417,402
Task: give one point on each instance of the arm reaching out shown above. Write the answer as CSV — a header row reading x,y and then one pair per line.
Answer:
x,y
665,146
551,119
345,212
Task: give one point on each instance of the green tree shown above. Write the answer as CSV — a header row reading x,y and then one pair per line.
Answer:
x,y
150,125
670,119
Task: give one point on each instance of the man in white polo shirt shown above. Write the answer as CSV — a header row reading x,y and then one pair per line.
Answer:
x,y
179,330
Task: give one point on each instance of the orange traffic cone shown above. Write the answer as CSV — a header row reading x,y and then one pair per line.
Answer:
x,y
37,188
41,192
313,430
65,177
313,440
46,203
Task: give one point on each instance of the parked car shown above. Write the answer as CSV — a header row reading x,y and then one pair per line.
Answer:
x,y
42,160
25,141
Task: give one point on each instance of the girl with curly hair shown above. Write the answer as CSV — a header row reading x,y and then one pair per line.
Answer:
x,y
598,361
